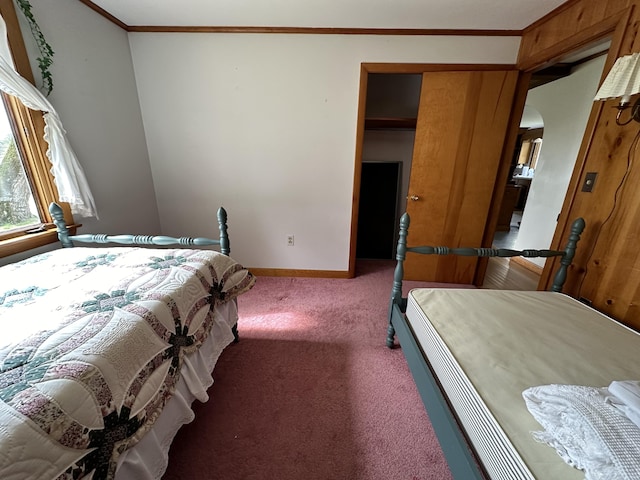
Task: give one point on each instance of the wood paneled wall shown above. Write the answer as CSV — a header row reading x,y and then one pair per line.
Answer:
x,y
606,270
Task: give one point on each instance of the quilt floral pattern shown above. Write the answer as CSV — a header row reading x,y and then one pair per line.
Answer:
x,y
91,350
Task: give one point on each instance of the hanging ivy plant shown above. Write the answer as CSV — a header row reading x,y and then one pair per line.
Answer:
x,y
45,60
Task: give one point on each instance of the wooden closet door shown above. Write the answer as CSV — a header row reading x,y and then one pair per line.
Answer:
x,y
461,128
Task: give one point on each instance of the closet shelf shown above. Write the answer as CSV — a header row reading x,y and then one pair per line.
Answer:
x,y
386,123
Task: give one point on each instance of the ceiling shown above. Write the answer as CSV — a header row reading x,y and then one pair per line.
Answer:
x,y
410,14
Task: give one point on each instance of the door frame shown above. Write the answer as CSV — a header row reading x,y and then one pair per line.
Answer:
x,y
418,68
614,26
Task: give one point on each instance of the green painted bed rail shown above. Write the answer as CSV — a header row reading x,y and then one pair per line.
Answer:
x,y
66,239
560,277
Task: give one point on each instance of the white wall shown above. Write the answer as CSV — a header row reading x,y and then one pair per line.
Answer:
x,y
95,95
266,126
565,106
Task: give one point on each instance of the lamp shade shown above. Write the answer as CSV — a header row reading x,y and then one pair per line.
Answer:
x,y
623,80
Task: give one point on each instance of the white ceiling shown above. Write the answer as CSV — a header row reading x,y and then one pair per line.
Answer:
x,y
420,14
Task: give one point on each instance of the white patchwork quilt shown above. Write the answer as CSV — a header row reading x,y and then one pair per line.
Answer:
x,y
91,348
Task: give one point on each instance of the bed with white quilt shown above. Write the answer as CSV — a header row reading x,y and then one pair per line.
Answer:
x,y
521,385
103,350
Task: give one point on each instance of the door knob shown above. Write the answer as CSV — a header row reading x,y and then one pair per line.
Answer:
x,y
415,198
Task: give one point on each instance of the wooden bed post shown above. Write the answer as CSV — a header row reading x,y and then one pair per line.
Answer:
x,y
225,246
61,225
569,252
398,274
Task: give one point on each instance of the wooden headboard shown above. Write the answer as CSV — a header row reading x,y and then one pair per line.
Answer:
x,y
401,252
67,240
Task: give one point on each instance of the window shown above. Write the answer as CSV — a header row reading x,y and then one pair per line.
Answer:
x,y
535,153
529,153
530,145
26,184
17,205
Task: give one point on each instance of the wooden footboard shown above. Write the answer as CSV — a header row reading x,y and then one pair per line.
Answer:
x,y
161,240
401,252
66,239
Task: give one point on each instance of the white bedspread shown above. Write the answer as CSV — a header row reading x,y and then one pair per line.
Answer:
x,y
586,430
148,459
93,345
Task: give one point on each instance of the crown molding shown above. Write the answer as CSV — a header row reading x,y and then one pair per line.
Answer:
x,y
325,30
300,30
105,14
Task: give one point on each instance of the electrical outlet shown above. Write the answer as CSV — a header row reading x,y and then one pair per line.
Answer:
x,y
290,240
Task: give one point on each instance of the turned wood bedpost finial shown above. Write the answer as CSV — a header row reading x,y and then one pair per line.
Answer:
x,y
401,253
225,246
396,292
61,224
577,227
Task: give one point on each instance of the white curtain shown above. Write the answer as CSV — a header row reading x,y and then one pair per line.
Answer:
x,y
67,173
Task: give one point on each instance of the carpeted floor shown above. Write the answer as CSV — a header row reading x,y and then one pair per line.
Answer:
x,y
311,391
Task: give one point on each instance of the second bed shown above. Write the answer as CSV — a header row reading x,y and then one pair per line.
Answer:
x,y
475,353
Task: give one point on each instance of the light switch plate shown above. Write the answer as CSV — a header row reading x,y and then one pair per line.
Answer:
x,y
589,181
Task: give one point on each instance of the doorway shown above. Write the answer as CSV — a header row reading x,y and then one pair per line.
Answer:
x,y
557,107
603,30
391,107
523,164
462,112
377,219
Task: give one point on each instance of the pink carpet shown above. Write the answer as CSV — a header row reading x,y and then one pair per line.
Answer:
x,y
311,391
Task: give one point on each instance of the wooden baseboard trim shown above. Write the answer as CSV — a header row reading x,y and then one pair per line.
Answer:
x,y
529,265
285,272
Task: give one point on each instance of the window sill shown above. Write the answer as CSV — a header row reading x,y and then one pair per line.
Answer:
x,y
23,243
